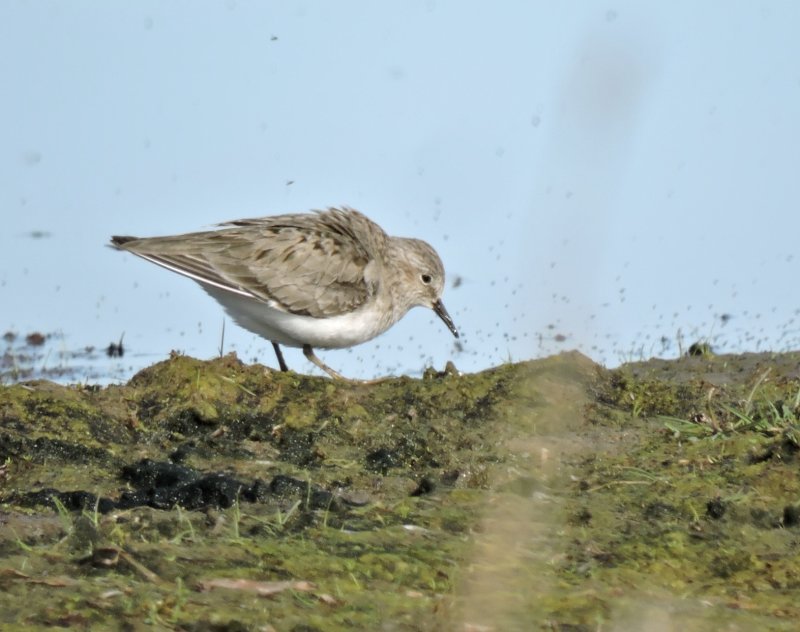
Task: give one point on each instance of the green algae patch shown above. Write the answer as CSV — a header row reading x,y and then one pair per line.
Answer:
x,y
697,515
551,494
302,501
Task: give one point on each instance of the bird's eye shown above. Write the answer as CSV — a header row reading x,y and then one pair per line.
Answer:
x,y
426,278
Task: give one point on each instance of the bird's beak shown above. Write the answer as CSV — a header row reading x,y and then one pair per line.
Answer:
x,y
441,312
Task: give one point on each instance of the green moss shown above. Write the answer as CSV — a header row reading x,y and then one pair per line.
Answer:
x,y
548,494
696,504
386,560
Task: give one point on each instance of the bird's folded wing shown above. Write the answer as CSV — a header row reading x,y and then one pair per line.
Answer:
x,y
302,272
299,271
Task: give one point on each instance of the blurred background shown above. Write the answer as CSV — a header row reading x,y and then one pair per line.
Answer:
x,y
619,178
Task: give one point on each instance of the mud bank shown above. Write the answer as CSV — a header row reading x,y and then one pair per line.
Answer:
x,y
548,495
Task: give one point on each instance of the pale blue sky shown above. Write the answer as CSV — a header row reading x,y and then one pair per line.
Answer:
x,y
610,172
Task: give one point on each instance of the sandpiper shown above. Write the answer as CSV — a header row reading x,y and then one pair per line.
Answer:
x,y
326,279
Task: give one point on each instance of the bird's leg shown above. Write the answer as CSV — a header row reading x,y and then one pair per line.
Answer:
x,y
308,352
279,355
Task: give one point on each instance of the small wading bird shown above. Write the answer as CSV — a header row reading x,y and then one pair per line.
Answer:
x,y
327,279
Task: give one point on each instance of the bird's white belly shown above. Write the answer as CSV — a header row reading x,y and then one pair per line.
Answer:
x,y
293,330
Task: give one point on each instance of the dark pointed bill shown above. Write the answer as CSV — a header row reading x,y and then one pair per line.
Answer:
x,y
441,312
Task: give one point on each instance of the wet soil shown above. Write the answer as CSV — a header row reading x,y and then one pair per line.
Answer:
x,y
545,495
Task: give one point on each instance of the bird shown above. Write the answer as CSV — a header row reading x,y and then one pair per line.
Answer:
x,y
325,279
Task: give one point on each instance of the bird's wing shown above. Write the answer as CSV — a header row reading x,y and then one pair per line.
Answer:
x,y
310,264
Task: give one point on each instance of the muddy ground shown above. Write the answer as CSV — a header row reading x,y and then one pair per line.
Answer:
x,y
546,495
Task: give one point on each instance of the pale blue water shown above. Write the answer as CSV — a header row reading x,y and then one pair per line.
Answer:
x,y
598,176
